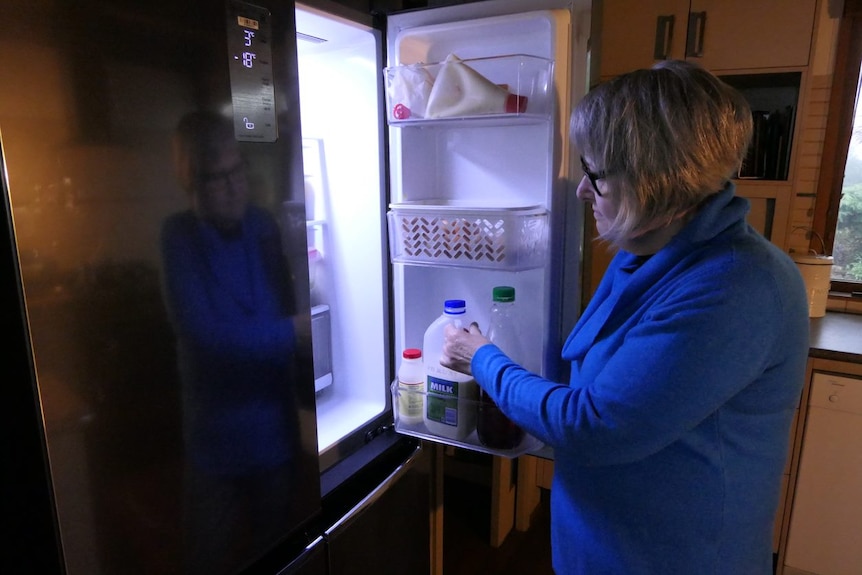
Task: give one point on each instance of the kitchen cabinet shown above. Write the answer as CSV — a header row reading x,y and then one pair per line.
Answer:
x,y
761,47
720,35
824,522
783,521
836,350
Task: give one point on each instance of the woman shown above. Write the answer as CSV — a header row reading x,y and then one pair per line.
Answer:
x,y
230,295
686,367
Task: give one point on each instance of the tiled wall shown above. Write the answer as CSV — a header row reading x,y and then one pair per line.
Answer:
x,y
810,144
808,172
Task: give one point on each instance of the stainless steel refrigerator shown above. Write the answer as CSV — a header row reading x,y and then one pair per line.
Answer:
x,y
202,336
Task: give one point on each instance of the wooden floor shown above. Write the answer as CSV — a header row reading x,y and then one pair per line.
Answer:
x,y
466,532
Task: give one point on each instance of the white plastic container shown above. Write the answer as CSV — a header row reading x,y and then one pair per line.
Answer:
x,y
816,272
411,387
451,396
456,233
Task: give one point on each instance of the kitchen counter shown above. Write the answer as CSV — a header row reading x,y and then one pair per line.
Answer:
x,y
837,336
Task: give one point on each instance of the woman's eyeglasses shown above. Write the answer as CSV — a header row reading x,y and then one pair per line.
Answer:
x,y
232,176
593,177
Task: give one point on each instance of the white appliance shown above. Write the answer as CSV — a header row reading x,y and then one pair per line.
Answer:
x,y
826,522
508,179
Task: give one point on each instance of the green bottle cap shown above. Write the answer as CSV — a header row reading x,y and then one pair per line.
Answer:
x,y
503,293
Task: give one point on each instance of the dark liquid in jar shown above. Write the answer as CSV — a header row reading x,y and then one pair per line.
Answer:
x,y
494,429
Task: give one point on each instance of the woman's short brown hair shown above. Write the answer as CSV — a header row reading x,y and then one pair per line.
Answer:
x,y
667,137
199,139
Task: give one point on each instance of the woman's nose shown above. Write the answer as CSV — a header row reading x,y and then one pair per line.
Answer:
x,y
585,191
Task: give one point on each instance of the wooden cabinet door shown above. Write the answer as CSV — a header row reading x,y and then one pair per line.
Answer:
x,y
751,34
629,32
719,34
770,207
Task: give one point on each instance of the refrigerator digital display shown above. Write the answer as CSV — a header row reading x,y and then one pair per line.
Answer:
x,y
250,62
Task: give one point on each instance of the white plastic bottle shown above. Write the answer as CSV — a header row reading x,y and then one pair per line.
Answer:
x,y
411,387
451,396
493,428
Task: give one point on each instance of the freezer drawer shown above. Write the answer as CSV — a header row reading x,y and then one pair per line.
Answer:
x,y
825,526
388,529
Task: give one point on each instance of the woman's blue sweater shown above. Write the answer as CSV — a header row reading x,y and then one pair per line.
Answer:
x,y
671,436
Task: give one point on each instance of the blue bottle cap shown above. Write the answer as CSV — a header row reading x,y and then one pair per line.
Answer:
x,y
454,306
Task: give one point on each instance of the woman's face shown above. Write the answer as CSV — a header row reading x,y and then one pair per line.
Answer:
x,y
222,191
600,196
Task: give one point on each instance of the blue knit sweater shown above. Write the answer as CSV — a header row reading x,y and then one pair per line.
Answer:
x,y
671,436
230,300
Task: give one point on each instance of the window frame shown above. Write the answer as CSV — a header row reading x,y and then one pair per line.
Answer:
x,y
839,128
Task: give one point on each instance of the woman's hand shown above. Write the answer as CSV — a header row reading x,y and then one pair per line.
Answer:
x,y
459,346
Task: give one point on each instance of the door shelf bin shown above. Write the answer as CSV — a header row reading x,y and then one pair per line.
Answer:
x,y
408,88
528,443
448,233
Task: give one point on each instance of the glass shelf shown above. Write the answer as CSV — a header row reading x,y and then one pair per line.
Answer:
x,y
501,88
528,443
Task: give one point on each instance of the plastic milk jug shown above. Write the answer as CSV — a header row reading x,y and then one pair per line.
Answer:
x,y
450,401
411,387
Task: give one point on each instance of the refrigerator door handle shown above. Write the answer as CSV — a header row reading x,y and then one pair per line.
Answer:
x,y
378,492
312,559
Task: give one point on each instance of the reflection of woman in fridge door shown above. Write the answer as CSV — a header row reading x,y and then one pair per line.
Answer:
x,y
686,366
230,297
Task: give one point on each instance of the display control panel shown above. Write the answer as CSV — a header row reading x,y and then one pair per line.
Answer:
x,y
250,59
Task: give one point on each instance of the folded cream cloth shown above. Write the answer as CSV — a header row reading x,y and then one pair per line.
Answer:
x,y
459,90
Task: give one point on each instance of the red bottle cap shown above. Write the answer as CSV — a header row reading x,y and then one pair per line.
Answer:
x,y
516,104
412,353
401,112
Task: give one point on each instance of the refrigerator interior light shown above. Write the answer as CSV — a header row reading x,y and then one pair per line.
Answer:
x,y
340,120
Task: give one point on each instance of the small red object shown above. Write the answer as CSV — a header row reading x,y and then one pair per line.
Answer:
x,y
516,104
401,112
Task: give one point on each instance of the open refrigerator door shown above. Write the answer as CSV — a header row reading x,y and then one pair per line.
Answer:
x,y
480,167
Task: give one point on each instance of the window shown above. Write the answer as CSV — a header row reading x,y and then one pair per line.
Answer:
x,y
847,247
838,210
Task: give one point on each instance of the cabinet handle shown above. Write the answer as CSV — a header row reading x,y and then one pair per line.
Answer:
x,y
663,35
694,39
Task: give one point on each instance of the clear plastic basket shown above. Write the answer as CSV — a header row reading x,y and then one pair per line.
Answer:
x,y
527,444
527,78
454,234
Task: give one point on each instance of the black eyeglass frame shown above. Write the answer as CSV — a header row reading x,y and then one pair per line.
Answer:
x,y
593,177
228,176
